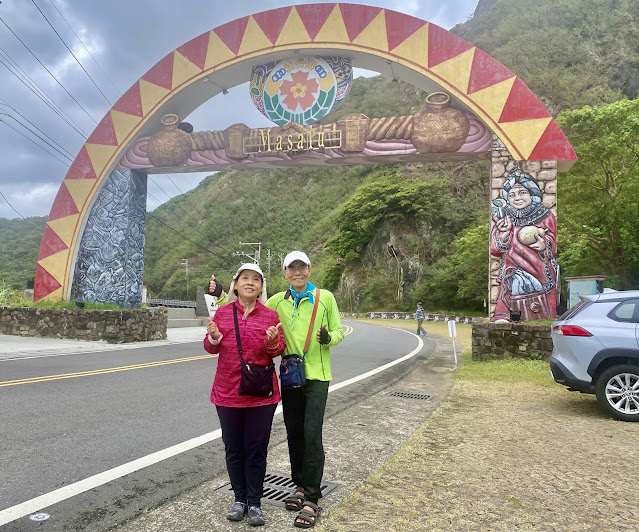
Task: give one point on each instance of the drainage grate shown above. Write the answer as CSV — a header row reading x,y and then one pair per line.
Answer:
x,y
410,395
277,487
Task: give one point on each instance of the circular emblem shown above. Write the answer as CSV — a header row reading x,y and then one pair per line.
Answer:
x,y
300,90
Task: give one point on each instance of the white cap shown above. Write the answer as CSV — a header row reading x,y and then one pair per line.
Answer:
x,y
255,268
293,256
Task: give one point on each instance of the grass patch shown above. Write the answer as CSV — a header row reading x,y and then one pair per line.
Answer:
x,y
438,328
510,370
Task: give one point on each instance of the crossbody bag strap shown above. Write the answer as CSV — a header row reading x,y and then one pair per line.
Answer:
x,y
310,327
237,333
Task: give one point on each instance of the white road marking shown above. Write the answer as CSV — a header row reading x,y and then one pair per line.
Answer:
x,y
66,492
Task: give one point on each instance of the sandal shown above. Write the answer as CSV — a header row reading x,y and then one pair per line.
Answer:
x,y
295,501
306,518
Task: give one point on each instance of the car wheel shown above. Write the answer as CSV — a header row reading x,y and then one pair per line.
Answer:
x,y
618,392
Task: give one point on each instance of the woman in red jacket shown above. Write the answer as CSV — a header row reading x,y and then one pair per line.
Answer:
x,y
245,419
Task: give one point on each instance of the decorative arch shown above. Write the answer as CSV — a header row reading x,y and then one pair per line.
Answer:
x,y
389,42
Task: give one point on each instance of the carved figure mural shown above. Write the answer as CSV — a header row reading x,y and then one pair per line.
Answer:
x,y
524,235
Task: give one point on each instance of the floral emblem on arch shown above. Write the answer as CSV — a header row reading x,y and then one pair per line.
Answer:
x,y
300,91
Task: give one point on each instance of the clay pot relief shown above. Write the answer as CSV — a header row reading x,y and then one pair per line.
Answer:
x,y
171,146
439,128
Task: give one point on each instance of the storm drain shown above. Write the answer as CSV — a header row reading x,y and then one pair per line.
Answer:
x,y
277,487
410,395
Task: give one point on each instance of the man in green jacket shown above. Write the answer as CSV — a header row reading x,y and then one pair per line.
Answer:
x,y
304,407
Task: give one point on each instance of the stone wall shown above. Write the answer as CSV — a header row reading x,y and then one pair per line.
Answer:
x,y
511,340
113,326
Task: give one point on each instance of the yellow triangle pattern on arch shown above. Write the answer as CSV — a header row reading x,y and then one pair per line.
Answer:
x,y
312,28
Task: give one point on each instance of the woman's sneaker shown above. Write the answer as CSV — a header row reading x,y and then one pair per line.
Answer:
x,y
237,511
256,517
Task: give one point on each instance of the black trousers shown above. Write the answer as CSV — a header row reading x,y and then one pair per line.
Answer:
x,y
246,433
303,410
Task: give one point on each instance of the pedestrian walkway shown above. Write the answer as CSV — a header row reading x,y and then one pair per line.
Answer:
x,y
27,346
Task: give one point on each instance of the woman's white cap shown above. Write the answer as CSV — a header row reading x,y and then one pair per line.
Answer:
x,y
255,268
293,256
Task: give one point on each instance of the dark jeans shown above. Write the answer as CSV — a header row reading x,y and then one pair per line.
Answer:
x,y
304,418
246,433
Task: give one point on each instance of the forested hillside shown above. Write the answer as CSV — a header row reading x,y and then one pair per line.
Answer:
x,y
19,247
384,236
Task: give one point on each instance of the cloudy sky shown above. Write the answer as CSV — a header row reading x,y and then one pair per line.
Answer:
x,y
116,42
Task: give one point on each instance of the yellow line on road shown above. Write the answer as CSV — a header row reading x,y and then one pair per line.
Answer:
x,y
347,330
101,371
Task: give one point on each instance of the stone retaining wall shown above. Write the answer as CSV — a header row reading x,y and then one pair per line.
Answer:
x,y
511,340
113,326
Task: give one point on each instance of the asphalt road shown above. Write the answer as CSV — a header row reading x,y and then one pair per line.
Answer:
x,y
66,418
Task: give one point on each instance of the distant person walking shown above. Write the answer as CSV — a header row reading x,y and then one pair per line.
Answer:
x,y
304,407
245,330
419,314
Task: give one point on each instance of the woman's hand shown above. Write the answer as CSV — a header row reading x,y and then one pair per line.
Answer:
x,y
504,225
272,333
212,330
539,244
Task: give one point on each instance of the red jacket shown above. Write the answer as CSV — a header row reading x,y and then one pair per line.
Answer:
x,y
253,338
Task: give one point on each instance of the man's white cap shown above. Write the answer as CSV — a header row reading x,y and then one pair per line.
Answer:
x,y
293,256
255,268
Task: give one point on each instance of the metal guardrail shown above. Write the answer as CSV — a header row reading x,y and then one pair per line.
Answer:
x,y
170,303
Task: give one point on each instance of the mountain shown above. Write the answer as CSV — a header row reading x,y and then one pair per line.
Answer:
x,y
383,236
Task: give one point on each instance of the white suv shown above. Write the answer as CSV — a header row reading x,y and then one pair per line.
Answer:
x,y
596,350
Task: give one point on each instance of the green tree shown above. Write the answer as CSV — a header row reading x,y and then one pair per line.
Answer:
x,y
599,197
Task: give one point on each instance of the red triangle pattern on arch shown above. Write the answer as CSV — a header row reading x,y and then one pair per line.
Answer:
x,y
232,32
82,168
130,102
314,17
51,243
553,145
45,283
444,45
522,104
486,72
161,73
63,204
104,133
195,50
272,22
400,27
357,17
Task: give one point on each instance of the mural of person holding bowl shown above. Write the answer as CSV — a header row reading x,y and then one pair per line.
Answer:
x,y
524,235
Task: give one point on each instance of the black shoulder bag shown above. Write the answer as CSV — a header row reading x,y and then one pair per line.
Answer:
x,y
254,380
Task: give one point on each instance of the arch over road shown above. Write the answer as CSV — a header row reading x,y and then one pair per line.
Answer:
x,y
407,48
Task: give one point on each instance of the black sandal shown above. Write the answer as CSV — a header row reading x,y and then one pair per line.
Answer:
x,y
305,518
295,501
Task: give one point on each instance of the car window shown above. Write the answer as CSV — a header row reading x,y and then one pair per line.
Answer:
x,y
572,311
627,311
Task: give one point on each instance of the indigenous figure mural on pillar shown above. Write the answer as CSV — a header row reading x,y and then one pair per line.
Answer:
x,y
524,235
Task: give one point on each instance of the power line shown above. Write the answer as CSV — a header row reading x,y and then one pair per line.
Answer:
x,y
3,102
50,73
87,50
21,75
34,133
185,197
31,140
74,56
14,209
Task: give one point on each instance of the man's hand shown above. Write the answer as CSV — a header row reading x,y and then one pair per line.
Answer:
x,y
322,336
215,287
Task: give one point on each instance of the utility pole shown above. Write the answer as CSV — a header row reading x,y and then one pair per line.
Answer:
x,y
257,251
185,263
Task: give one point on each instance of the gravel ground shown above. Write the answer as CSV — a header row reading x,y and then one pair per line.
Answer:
x,y
503,457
